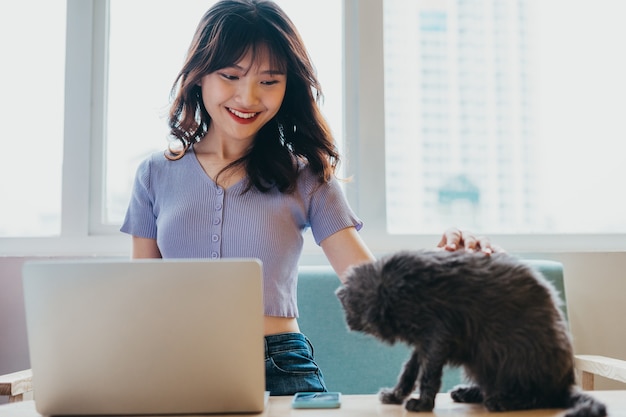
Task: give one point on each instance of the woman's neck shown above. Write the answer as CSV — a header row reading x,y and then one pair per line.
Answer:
x,y
214,155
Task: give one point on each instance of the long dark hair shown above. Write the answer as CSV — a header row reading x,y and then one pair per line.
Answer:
x,y
297,134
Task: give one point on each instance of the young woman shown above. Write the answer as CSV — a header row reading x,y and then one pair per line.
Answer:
x,y
251,167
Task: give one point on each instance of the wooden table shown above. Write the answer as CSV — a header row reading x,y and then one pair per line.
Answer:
x,y
368,405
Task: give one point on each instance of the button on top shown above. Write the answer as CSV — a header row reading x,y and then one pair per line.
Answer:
x,y
214,236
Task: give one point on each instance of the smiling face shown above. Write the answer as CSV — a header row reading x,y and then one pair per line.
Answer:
x,y
243,97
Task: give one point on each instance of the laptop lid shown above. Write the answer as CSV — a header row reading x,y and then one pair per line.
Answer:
x,y
145,336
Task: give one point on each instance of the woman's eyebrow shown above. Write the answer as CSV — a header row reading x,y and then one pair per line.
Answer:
x,y
273,72
264,72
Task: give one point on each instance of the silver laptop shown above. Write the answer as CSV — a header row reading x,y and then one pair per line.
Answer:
x,y
146,336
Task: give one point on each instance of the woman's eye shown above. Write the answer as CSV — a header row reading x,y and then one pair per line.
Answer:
x,y
228,76
271,82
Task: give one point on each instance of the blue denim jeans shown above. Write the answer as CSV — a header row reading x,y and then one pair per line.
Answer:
x,y
290,366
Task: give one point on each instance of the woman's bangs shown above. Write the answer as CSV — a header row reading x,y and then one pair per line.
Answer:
x,y
234,44
230,48
277,59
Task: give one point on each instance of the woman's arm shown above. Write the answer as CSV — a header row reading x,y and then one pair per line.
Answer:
x,y
145,248
344,249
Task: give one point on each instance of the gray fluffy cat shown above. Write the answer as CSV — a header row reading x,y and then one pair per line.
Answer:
x,y
493,315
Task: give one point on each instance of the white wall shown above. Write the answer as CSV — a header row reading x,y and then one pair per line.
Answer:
x,y
13,354
595,287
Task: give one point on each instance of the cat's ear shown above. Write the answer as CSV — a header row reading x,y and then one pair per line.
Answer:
x,y
339,292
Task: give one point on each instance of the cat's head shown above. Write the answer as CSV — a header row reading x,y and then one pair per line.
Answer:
x,y
366,302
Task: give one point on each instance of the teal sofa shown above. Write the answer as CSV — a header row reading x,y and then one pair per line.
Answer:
x,y
354,363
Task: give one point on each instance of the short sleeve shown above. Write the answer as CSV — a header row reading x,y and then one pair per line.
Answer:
x,y
329,211
140,219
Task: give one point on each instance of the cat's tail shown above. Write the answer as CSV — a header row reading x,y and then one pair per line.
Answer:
x,y
581,404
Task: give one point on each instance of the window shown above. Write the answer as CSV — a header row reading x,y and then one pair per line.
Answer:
x,y
504,116
500,116
31,115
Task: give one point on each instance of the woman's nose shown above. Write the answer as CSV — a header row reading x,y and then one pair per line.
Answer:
x,y
247,93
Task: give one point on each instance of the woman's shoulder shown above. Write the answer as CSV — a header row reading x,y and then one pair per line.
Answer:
x,y
306,175
157,160
310,181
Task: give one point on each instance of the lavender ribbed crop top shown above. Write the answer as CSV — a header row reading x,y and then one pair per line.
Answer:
x,y
190,216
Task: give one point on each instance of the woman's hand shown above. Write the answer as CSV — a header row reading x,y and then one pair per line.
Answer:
x,y
456,239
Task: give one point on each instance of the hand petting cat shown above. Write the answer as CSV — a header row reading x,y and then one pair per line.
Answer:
x,y
456,239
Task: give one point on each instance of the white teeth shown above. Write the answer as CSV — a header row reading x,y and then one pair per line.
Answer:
x,y
242,115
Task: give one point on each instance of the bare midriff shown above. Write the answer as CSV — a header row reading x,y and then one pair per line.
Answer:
x,y
275,325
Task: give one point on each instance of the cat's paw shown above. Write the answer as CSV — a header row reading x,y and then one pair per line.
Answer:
x,y
419,404
494,405
466,394
507,402
389,396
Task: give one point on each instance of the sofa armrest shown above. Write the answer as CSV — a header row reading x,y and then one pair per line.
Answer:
x,y
592,365
15,385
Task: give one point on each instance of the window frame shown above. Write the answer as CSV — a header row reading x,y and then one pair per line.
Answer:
x,y
84,233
